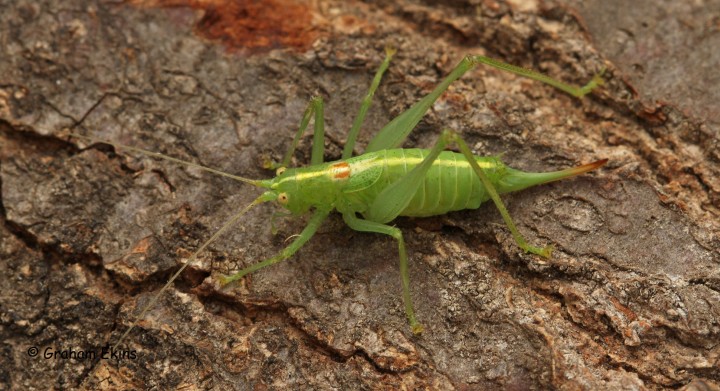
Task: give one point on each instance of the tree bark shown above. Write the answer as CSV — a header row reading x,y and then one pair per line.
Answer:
x,y
89,233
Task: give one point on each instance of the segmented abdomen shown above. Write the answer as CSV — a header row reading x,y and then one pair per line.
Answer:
x,y
449,185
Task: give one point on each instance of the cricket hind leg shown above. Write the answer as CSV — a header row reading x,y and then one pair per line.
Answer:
x,y
369,226
315,221
395,132
393,200
570,89
316,108
495,197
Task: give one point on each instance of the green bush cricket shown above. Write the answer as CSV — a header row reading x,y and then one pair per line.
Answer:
x,y
372,189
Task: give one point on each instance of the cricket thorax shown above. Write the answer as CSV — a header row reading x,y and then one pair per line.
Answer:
x,y
312,186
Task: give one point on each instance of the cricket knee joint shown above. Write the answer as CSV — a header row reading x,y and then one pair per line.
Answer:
x,y
396,234
470,60
449,136
594,83
316,100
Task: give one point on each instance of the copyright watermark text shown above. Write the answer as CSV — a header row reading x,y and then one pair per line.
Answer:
x,y
104,353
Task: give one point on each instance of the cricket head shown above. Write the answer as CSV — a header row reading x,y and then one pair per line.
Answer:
x,y
286,190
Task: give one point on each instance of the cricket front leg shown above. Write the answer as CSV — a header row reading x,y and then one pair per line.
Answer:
x,y
190,261
369,226
307,233
316,107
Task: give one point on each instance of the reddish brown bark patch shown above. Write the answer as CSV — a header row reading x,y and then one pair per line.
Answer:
x,y
256,26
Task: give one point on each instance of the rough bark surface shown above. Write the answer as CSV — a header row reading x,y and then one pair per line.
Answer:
x,y
88,234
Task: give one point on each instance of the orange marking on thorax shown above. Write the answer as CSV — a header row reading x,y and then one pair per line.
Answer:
x,y
340,170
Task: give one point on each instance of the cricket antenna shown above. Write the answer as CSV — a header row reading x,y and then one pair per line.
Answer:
x,y
254,182
267,196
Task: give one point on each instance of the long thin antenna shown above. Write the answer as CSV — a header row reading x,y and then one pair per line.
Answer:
x,y
263,198
253,182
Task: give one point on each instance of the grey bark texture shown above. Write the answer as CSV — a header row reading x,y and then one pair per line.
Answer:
x,y
89,233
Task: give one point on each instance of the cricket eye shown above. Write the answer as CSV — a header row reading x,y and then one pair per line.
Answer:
x,y
283,198
279,171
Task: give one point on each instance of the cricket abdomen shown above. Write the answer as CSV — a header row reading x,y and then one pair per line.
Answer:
x,y
449,185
